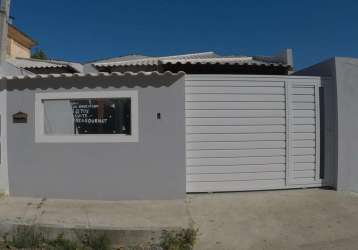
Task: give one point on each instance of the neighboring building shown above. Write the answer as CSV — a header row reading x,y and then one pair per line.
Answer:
x,y
19,43
19,57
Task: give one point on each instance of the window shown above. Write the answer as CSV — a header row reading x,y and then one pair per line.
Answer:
x,y
87,116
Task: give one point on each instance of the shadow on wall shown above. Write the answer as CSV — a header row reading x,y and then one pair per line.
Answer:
x,y
92,82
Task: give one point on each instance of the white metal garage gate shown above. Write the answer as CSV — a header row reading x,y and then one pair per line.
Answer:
x,y
251,132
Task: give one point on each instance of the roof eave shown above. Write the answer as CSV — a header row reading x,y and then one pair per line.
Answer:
x,y
30,42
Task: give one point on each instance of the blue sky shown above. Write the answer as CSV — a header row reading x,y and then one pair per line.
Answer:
x,y
83,30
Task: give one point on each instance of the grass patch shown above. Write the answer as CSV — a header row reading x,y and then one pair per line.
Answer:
x,y
60,243
35,239
95,241
183,240
31,238
24,237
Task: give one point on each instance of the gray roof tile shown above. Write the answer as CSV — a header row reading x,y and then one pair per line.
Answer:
x,y
195,58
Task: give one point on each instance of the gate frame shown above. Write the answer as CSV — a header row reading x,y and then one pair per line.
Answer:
x,y
316,83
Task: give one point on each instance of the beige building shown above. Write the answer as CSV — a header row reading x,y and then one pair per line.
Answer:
x,y
19,44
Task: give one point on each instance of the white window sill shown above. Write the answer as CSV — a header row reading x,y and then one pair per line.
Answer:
x,y
85,138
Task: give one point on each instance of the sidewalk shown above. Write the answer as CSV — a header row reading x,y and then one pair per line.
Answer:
x,y
311,219
127,222
305,219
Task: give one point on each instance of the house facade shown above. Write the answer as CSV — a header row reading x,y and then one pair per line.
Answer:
x,y
139,127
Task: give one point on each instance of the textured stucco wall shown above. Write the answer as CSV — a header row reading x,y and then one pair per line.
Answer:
x,y
342,118
153,168
347,101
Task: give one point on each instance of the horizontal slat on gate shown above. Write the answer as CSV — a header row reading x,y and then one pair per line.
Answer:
x,y
304,166
237,113
304,181
236,153
304,136
235,145
302,98
304,158
233,90
304,174
235,185
236,176
229,83
235,169
303,105
304,151
304,128
239,121
303,91
236,137
304,121
238,105
304,143
303,113
235,161
235,98
243,129
302,85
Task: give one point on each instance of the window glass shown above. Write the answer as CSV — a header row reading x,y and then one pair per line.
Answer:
x,y
88,116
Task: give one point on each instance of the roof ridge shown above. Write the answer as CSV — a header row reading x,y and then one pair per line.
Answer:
x,y
189,54
234,58
158,58
113,57
42,60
